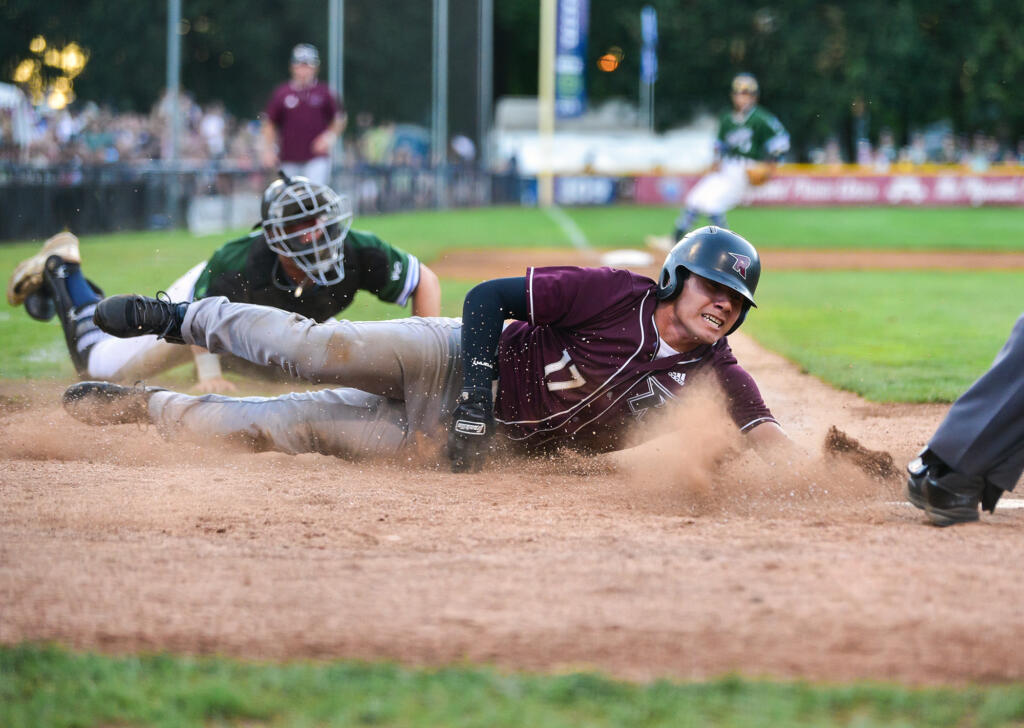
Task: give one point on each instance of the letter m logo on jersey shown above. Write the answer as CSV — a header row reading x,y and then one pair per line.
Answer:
x,y
655,396
740,264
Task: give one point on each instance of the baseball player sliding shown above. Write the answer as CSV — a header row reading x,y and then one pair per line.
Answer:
x,y
591,351
302,258
750,142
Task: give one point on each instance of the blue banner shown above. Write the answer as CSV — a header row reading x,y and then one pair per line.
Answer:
x,y
649,53
570,57
649,25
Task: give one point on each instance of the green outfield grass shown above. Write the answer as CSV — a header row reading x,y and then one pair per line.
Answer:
x,y
882,228
890,336
52,687
863,228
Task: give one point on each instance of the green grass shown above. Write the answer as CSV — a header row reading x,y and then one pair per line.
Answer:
x,y
46,686
907,336
882,228
622,226
921,336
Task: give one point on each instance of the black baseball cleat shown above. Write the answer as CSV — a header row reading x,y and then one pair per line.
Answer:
x,y
946,496
40,305
129,315
105,403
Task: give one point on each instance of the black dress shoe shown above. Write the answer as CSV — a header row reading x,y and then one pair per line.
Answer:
x,y
946,496
946,508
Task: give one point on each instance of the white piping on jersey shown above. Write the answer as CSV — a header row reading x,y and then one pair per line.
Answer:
x,y
529,291
758,421
412,279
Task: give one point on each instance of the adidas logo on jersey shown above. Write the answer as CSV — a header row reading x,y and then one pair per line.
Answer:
x,y
678,377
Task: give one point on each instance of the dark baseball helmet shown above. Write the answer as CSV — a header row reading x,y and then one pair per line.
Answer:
x,y
292,209
717,254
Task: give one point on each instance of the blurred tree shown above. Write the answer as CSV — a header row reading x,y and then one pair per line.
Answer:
x,y
839,67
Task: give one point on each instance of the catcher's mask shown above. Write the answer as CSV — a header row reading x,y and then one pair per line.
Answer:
x,y
717,254
307,222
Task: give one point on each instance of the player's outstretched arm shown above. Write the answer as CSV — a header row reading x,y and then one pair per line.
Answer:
x,y
772,443
426,299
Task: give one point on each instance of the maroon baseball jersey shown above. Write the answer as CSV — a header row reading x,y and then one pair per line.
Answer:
x,y
584,367
300,115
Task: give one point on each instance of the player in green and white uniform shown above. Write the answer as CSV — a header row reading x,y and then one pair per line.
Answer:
x,y
750,142
304,258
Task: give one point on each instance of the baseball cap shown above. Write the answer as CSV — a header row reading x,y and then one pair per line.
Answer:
x,y
744,83
305,53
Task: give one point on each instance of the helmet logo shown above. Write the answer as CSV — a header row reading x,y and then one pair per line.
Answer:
x,y
740,264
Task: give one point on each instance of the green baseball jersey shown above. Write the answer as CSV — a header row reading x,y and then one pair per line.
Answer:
x,y
758,135
248,271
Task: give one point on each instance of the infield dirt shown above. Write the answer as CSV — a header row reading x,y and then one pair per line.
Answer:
x,y
683,559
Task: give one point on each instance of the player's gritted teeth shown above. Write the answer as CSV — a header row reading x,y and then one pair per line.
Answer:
x,y
713,320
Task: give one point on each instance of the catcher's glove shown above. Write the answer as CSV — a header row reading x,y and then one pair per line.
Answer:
x,y
472,428
758,174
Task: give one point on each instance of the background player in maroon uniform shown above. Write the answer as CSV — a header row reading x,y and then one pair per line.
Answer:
x,y
302,121
594,350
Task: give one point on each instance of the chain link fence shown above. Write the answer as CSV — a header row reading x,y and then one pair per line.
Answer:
x,y
37,202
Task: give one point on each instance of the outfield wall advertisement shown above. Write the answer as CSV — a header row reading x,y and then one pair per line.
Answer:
x,y
810,190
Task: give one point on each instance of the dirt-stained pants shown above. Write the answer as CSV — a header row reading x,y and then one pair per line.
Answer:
x,y
400,378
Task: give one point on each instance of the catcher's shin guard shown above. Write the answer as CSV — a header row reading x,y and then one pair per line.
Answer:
x,y
80,333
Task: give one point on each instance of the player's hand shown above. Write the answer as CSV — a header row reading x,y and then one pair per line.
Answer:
x,y
269,158
469,439
323,142
215,385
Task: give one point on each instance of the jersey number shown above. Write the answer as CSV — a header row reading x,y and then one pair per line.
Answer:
x,y
576,381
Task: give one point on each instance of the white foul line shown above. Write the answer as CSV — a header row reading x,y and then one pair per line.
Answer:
x,y
570,228
1004,504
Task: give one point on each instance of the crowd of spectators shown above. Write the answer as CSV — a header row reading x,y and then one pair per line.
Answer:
x,y
94,135
978,153
91,134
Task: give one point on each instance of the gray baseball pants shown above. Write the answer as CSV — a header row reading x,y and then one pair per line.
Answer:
x,y
400,380
983,432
